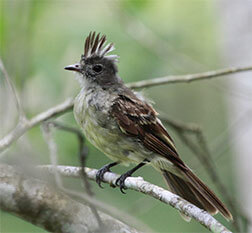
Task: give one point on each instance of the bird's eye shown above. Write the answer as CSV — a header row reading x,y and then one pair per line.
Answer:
x,y
97,68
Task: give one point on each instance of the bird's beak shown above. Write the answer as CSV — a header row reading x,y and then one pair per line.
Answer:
x,y
75,67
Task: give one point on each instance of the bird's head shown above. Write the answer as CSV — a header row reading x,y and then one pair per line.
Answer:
x,y
95,65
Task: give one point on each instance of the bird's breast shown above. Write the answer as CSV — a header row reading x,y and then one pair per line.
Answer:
x,y
91,111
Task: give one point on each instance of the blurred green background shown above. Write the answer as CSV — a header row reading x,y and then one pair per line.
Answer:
x,y
153,38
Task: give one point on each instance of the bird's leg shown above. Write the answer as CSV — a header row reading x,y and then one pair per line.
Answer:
x,y
120,181
101,172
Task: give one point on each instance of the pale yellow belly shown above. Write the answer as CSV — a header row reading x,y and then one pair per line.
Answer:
x,y
123,149
107,137
113,143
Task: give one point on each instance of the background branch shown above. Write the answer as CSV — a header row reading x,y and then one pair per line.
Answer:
x,y
138,184
188,77
21,113
42,205
24,126
83,149
48,136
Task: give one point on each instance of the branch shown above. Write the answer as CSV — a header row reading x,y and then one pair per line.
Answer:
x,y
48,137
35,201
188,77
83,149
24,126
138,184
67,105
13,90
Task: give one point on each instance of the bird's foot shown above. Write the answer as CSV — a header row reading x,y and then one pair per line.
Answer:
x,y
120,181
101,172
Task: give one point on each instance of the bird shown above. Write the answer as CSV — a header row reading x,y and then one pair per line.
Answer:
x,y
123,125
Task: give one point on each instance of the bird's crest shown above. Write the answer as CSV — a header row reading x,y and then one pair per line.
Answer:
x,y
95,46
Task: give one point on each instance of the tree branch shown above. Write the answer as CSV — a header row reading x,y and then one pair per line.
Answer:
x,y
24,126
138,184
22,116
42,205
188,77
48,137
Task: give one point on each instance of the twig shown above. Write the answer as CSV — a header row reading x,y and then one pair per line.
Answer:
x,y
22,127
37,202
179,125
20,110
188,77
46,129
138,184
83,150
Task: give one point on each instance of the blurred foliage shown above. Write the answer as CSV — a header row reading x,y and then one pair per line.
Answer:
x,y
38,38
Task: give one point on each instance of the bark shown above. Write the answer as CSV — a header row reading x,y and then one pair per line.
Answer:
x,y
37,202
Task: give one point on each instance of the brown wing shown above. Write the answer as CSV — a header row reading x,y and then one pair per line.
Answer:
x,y
138,119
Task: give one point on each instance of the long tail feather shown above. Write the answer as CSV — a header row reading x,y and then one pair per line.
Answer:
x,y
208,194
195,191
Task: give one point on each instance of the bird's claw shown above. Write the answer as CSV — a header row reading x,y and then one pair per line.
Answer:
x,y
100,174
120,182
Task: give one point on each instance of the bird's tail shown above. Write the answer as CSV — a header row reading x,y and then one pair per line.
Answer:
x,y
196,192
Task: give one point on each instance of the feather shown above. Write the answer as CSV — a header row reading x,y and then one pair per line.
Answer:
x,y
95,43
208,194
107,49
187,191
102,41
95,46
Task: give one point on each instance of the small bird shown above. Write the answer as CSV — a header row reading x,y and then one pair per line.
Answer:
x,y
124,126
